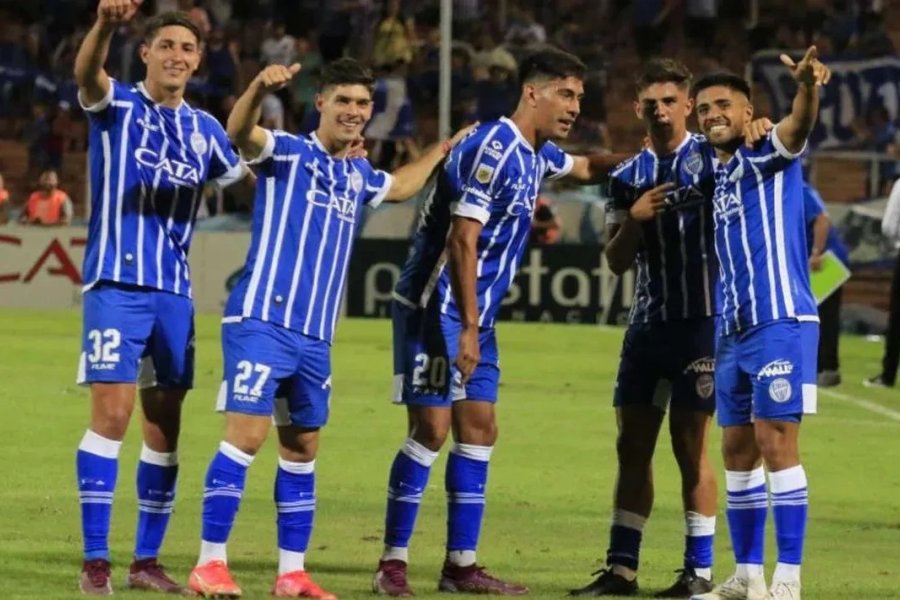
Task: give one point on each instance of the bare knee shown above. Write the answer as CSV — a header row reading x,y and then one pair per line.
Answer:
x,y
111,408
634,452
739,448
430,428
777,441
298,444
475,423
246,432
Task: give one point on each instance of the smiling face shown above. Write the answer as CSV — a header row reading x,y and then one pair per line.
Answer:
x,y
557,104
722,113
664,108
345,110
171,57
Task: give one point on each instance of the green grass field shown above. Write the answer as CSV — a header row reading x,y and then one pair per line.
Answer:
x,y
550,484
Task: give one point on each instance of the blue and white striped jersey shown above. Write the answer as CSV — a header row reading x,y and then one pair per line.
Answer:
x,y
305,216
493,176
676,264
761,237
148,166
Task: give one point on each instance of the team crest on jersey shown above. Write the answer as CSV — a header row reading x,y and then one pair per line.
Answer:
x,y
484,174
693,164
198,143
705,386
356,181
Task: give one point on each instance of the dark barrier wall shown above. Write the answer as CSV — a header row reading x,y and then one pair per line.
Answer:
x,y
561,283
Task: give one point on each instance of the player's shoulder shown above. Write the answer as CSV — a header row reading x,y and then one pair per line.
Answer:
x,y
624,171
206,120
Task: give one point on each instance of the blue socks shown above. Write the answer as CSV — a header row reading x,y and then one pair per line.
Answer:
x,y
698,543
790,505
157,474
221,499
295,501
747,508
96,466
465,482
408,478
625,535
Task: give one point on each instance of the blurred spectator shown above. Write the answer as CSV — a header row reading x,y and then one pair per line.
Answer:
x,y
700,22
873,40
272,112
878,133
890,228
335,27
197,14
497,94
650,25
279,48
5,202
546,226
821,237
305,85
524,30
392,127
392,37
49,205
37,136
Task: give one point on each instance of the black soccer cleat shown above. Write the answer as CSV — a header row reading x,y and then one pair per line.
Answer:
x,y
607,584
687,585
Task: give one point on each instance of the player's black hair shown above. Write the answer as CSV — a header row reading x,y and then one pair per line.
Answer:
x,y
723,78
663,70
550,63
346,71
168,19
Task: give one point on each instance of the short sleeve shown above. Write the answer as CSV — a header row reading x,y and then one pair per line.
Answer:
x,y
377,183
104,103
559,163
225,166
782,150
478,180
621,196
278,144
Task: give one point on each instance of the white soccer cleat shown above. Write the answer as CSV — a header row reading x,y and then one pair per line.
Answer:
x,y
785,590
738,588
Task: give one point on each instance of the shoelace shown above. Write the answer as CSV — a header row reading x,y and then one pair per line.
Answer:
x,y
396,576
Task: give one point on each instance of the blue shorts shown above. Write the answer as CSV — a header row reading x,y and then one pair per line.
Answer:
x,y
270,370
663,362
425,373
767,372
126,325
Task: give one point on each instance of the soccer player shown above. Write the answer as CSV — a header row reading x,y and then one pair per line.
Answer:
x,y
471,238
766,353
150,156
660,218
280,318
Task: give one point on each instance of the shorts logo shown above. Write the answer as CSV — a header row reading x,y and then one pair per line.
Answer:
x,y
780,390
705,386
484,174
693,164
327,384
776,368
707,364
198,143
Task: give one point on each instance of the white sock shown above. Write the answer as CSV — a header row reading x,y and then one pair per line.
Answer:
x,y
289,561
461,558
212,551
395,553
749,571
786,573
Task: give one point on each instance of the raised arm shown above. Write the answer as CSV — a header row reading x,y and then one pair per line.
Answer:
x,y
462,253
411,177
93,82
242,126
810,75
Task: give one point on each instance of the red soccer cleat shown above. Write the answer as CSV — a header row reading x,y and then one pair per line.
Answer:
x,y
390,579
213,580
298,584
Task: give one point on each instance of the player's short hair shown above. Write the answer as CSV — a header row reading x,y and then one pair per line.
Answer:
x,y
550,63
663,70
168,19
721,78
346,71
